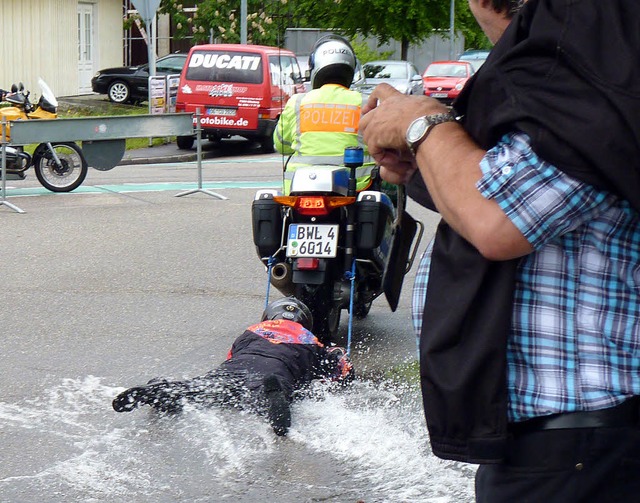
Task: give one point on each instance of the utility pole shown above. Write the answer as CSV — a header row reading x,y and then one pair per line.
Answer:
x,y
147,10
243,21
452,29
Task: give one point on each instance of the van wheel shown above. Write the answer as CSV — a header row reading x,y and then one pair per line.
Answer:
x,y
266,145
185,142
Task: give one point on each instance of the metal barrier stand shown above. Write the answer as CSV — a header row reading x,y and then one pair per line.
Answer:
x,y
199,159
3,200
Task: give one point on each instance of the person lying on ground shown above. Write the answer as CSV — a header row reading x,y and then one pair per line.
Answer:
x,y
265,366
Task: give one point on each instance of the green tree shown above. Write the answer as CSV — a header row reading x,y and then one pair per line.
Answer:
x,y
219,20
408,21
474,37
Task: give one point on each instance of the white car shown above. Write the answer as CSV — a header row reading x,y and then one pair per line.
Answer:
x,y
403,75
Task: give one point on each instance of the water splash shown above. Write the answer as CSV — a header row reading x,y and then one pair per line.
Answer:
x,y
367,442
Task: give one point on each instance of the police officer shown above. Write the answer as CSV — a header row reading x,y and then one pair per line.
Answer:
x,y
316,127
264,367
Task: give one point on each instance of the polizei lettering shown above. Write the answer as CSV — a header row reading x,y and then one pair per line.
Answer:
x,y
340,50
211,60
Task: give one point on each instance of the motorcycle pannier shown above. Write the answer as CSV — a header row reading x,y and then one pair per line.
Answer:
x,y
267,223
374,219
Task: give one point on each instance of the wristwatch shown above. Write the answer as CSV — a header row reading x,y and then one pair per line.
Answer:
x,y
420,128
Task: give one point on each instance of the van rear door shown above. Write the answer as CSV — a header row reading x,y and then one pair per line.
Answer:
x,y
227,86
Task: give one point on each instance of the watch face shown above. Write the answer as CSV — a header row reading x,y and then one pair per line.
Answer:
x,y
416,129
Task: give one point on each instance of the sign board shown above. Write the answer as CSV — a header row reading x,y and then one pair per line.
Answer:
x,y
157,95
173,82
147,9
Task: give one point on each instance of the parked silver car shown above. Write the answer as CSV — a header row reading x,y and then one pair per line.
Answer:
x,y
403,75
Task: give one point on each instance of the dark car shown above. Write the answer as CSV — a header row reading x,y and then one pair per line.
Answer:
x,y
130,84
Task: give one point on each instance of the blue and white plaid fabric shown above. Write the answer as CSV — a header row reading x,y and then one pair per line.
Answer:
x,y
419,293
575,340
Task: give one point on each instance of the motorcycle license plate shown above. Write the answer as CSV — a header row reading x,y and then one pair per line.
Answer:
x,y
312,240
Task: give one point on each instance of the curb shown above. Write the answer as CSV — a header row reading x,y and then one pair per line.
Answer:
x,y
139,157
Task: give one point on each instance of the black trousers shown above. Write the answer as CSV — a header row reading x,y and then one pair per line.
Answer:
x,y
581,465
219,387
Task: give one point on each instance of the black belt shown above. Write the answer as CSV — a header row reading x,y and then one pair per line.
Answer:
x,y
627,414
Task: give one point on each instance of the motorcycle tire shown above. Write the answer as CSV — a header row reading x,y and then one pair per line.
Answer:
x,y
65,178
326,314
361,309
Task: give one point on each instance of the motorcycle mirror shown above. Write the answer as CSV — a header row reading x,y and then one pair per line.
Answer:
x,y
20,87
14,88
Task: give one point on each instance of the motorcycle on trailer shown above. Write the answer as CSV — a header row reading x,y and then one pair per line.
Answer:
x,y
331,247
59,166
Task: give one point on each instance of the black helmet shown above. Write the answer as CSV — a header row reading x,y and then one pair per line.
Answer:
x,y
291,309
332,61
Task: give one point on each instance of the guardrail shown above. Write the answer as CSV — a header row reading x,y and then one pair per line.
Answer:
x,y
103,138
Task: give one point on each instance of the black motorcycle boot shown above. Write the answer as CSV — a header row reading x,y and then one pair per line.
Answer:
x,y
278,407
158,393
130,399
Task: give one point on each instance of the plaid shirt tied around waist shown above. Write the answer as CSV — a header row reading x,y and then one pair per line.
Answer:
x,y
575,338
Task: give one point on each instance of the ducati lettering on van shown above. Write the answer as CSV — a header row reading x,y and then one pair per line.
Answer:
x,y
207,60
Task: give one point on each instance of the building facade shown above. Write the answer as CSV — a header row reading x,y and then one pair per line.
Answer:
x,y
63,41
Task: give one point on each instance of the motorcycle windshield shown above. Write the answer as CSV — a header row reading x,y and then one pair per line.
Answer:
x,y
47,93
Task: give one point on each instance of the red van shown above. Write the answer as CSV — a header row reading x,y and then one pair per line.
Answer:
x,y
239,89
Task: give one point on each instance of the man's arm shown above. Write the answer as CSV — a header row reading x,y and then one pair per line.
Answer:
x,y
449,162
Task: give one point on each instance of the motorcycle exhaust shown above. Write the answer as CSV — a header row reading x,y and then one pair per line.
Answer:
x,y
281,278
17,160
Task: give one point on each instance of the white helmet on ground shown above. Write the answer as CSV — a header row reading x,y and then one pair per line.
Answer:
x,y
332,61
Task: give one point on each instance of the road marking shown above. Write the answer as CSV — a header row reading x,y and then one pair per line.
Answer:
x,y
143,187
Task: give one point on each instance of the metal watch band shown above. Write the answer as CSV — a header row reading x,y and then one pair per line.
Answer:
x,y
431,120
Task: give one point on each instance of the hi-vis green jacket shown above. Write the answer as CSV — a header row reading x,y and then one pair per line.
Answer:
x,y
316,127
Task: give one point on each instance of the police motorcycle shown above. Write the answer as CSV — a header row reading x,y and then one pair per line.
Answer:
x,y
331,247
59,166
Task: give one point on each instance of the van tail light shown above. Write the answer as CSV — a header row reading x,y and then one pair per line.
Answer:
x,y
180,107
314,205
263,113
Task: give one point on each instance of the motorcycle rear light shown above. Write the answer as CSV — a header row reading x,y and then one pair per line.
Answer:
x,y
314,205
285,200
311,206
307,264
335,202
